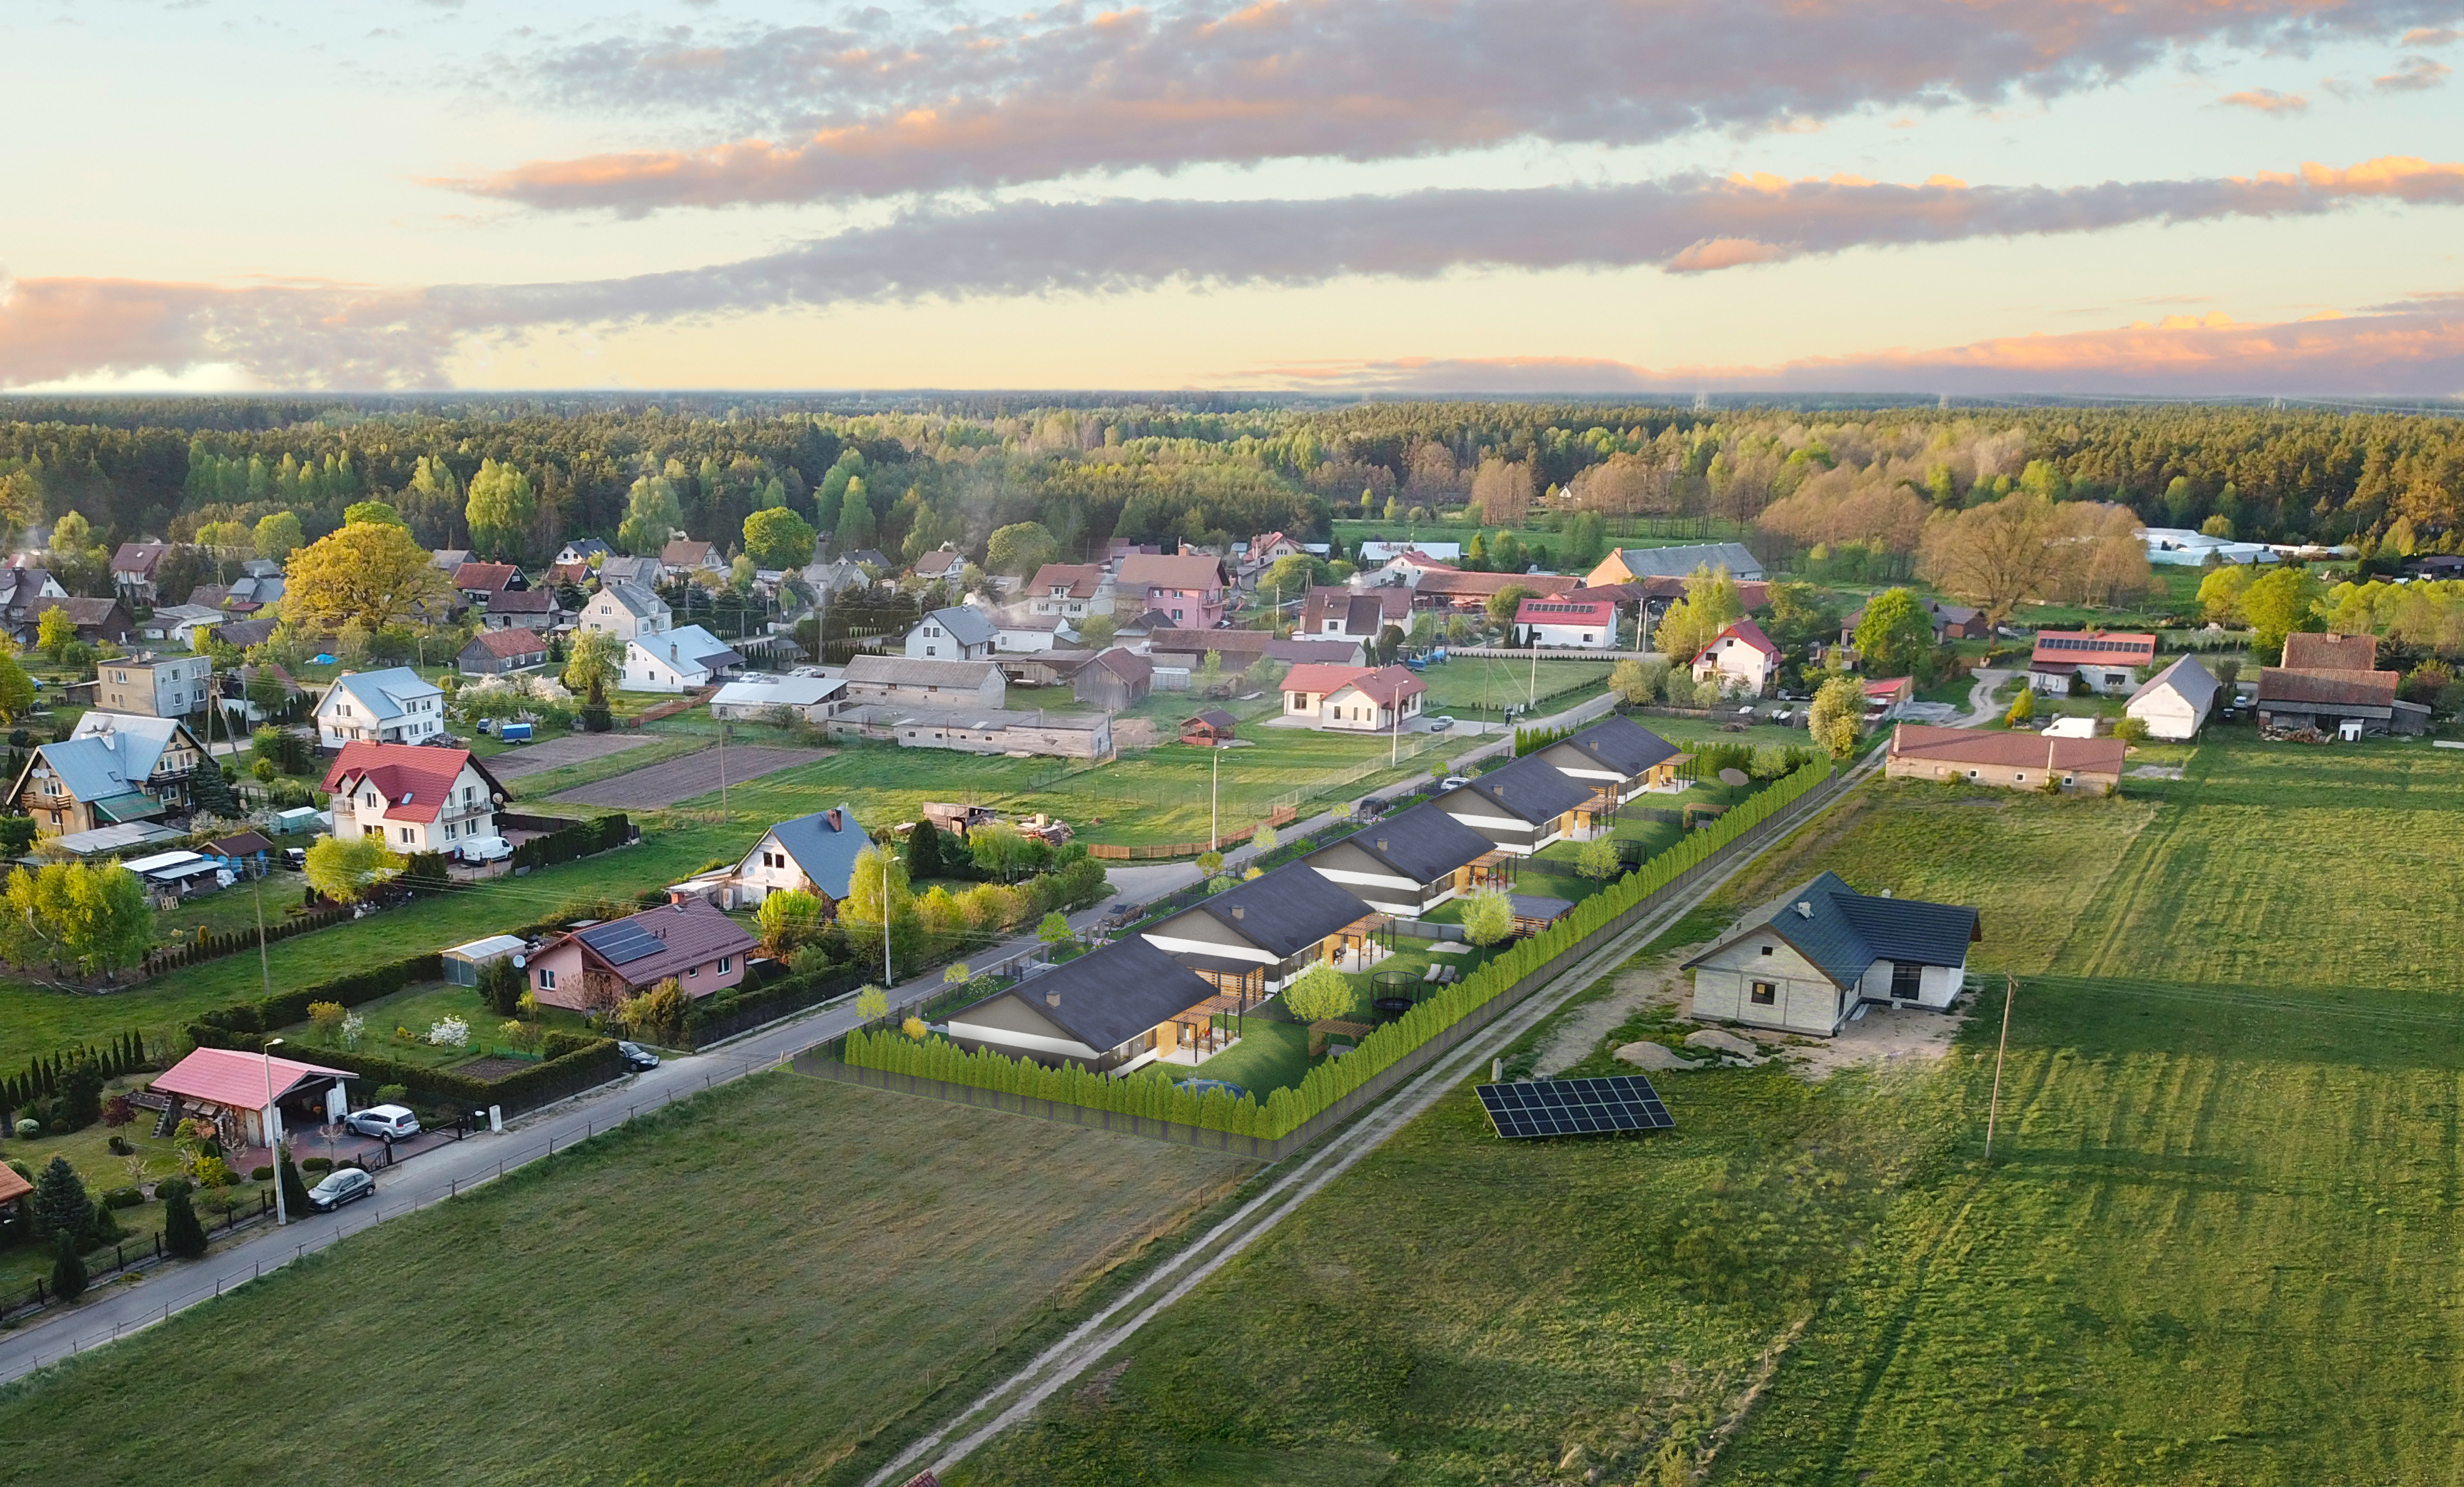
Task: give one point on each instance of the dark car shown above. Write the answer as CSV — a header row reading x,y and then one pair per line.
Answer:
x,y
637,1056
340,1186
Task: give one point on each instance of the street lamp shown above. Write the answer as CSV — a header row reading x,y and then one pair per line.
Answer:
x,y
273,1141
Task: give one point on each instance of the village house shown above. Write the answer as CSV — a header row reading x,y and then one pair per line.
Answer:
x,y
1468,593
1568,623
97,619
2330,685
2012,760
596,967
959,633
762,698
1410,863
1807,961
480,582
1628,564
1616,758
133,567
2103,661
1192,588
683,557
628,611
1385,700
943,562
180,625
1110,1010
1742,659
1257,937
685,659
811,854
523,609
643,573
578,553
114,768
1072,590
1026,634
395,705
1522,807
1951,623
167,687
417,797
1118,678
2175,702
501,652
1358,615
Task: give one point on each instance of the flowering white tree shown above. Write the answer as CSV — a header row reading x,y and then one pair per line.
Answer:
x,y
449,1033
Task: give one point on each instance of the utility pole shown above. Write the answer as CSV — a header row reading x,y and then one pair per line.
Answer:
x,y
2010,994
1214,822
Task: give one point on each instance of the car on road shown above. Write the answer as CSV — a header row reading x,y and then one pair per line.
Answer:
x,y
340,1186
389,1122
1454,781
487,849
1441,723
636,1056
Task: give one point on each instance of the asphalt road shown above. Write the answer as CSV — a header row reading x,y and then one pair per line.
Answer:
x,y
118,1307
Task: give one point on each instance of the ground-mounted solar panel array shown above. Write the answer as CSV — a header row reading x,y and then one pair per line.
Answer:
x,y
1575,1107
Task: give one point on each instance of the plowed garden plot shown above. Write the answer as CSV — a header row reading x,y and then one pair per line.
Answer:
x,y
557,752
656,786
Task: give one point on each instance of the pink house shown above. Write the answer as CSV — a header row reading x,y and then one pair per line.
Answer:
x,y
1191,587
599,965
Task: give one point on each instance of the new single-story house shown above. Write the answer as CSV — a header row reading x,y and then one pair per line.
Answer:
x,y
1568,623
1352,698
1521,808
1617,755
2175,702
685,659
598,966
2016,761
811,854
1111,1010
1255,938
1806,961
1409,863
2104,661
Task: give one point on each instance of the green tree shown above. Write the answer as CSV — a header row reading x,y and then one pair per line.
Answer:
x,y
1838,706
651,513
1503,603
2284,601
182,1235
1710,606
96,917
1004,851
61,1204
1054,930
2221,591
1896,636
658,1014
776,537
381,513
16,689
790,918
345,868
1264,839
923,852
68,1269
1637,682
1487,916
278,536
871,1003
502,507
369,573
54,633
855,528
2023,708
597,656
295,1192
1019,548
501,985
1321,993
1800,614
1598,858
1587,540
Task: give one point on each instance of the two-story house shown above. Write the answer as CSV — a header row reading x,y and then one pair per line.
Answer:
x,y
419,799
1073,591
628,611
396,705
114,768
1192,588
133,568
685,558
810,854
162,687
959,633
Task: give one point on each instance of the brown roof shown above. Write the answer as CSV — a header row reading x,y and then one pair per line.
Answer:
x,y
684,553
1078,581
1387,686
522,602
486,577
2326,687
139,558
1127,665
1228,642
1178,571
514,640
86,613
2304,652
2006,750
1480,585
241,845
690,933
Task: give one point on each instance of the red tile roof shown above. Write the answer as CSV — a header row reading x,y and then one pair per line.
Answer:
x,y
2006,750
1744,630
486,577
2331,688
1079,580
1889,689
1385,687
514,641
414,778
2306,652
229,1077
1318,677
12,1186
1566,611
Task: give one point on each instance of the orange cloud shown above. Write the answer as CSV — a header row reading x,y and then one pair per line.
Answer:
x,y
2266,100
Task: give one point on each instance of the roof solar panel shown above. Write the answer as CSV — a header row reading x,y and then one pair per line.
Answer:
x,y
622,942
1575,1107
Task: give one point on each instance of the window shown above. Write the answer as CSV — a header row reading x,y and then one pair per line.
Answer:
x,y
408,835
725,963
1906,980
1767,949
546,979
1766,994
695,972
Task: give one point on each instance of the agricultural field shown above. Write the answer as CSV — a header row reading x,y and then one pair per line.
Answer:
x,y
691,1298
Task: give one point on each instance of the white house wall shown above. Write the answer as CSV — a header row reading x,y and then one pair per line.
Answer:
x,y
1936,985
1805,999
2168,714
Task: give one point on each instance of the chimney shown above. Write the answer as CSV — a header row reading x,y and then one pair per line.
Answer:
x,y
1240,911
837,824
1804,908
1052,999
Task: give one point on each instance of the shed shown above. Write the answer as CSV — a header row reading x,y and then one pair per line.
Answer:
x,y
462,963
305,818
1211,729
229,1087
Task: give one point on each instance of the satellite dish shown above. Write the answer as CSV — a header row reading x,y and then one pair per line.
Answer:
x,y
1735,778
520,962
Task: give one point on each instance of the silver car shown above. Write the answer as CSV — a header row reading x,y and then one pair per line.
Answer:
x,y
340,1186
384,1120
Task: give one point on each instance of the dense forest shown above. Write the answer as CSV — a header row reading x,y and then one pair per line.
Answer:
x,y
926,471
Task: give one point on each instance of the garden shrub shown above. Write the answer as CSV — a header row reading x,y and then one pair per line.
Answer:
x,y
259,1173
181,1234
172,1187
318,1166
123,1197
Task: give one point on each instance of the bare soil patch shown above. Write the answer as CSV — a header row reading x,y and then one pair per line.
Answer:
x,y
656,786
491,1069
557,752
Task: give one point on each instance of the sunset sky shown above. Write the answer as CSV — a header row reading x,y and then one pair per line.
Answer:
x,y
1992,197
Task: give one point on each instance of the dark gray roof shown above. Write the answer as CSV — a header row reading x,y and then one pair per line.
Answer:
x,y
825,853
1843,931
1531,789
967,625
1422,843
1622,744
1110,994
1287,910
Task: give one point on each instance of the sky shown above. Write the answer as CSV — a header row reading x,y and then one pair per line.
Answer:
x,y
2167,198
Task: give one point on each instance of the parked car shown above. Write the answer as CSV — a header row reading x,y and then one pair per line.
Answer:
x,y
384,1120
340,1186
296,858
1441,722
637,1056
487,849
1454,781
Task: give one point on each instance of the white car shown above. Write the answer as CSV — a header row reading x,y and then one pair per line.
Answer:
x,y
487,849
383,1121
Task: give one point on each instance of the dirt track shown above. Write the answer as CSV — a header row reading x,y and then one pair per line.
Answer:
x,y
656,786
557,752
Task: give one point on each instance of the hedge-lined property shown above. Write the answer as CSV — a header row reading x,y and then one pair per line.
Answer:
x,y
43,1075
566,844
1154,1097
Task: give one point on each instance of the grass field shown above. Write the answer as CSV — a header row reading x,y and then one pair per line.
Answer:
x,y
749,1288
1470,684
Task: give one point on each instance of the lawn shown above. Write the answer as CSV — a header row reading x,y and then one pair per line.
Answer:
x,y
759,1285
36,1019
416,1009
1491,684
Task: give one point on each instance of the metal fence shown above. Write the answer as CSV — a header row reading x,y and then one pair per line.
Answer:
x,y
126,1255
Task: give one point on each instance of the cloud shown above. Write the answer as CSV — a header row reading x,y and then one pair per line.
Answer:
x,y
351,336
819,113
2413,75
2414,349
2266,100
2429,36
